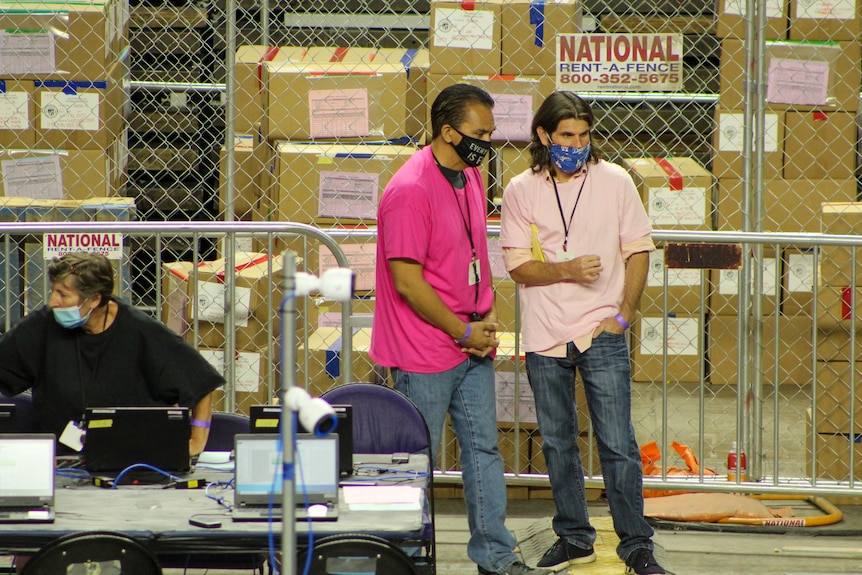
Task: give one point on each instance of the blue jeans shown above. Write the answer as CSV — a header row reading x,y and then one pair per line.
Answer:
x,y
466,392
606,372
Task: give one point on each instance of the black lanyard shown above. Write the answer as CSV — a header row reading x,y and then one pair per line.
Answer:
x,y
567,226
474,316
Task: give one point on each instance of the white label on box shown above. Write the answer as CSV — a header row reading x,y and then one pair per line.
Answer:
x,y
362,259
27,53
38,178
455,28
211,303
802,82
731,134
14,112
685,207
338,113
247,368
58,245
826,9
682,335
348,195
60,111
243,142
675,277
774,8
513,116
728,283
504,384
495,255
800,273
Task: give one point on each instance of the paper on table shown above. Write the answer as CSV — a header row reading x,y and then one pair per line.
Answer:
x,y
372,497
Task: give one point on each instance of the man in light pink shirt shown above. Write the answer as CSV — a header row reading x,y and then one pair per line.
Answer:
x,y
434,322
576,236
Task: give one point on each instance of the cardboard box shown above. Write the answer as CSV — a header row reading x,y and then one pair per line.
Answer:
x,y
249,97
832,457
17,127
833,397
505,303
251,156
794,350
683,289
831,83
342,181
824,20
834,310
465,39
507,162
504,388
724,288
251,385
320,368
516,99
81,114
529,35
731,19
73,40
367,100
684,343
788,205
797,281
727,160
819,145
257,284
677,192
839,218
61,174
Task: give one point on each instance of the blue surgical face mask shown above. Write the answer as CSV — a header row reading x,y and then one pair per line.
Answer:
x,y
70,317
569,160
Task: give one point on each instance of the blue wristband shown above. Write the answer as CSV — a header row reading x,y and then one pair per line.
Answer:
x,y
622,321
466,335
201,423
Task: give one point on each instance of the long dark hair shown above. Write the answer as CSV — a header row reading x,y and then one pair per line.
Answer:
x,y
557,107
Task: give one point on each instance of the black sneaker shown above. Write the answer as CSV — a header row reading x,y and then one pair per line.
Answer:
x,y
642,562
562,554
516,568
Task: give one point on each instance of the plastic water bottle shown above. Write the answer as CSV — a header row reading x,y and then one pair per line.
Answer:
x,y
736,463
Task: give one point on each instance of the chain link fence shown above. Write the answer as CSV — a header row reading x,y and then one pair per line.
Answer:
x,y
121,111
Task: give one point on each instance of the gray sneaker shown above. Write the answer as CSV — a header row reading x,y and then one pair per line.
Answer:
x,y
562,554
516,568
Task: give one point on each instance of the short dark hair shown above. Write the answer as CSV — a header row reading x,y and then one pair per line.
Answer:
x,y
92,272
557,107
450,105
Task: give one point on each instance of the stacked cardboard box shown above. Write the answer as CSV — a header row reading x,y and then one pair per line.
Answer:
x,y
62,96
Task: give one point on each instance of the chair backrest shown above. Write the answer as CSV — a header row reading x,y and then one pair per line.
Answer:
x,y
224,427
113,552
356,553
25,412
384,420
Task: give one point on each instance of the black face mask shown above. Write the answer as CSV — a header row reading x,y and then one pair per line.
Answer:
x,y
471,150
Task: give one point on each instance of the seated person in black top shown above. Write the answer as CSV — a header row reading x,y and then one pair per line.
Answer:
x,y
89,349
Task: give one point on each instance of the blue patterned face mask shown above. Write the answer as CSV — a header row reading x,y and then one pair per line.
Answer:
x,y
569,159
70,317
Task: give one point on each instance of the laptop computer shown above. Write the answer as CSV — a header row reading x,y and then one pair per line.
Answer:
x,y
118,437
267,419
258,481
27,478
8,423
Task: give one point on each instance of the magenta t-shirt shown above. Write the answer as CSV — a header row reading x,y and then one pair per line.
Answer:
x,y
422,218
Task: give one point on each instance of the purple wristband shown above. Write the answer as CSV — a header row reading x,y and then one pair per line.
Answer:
x,y
622,321
201,423
466,335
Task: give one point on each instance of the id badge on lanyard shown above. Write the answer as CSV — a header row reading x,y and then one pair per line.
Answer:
x,y
474,276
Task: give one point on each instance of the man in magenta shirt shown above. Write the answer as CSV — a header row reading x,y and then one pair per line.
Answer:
x,y
576,236
434,322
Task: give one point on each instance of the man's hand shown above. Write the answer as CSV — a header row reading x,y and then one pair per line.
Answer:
x,y
609,324
483,339
583,269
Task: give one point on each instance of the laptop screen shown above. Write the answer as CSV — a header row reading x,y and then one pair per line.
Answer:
x,y
258,468
26,470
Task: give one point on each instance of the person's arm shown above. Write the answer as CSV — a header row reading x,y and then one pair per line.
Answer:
x,y
201,419
637,268
583,269
424,300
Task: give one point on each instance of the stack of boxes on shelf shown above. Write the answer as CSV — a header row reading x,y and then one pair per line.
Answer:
x,y
63,70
